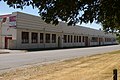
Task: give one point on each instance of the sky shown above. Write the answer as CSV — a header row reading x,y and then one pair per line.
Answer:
x,y
5,9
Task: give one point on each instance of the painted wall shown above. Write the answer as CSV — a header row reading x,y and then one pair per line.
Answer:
x,y
6,29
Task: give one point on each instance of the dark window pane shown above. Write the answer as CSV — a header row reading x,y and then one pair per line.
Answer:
x,y
68,38
79,38
75,38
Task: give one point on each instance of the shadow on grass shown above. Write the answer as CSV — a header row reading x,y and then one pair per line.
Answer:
x,y
115,52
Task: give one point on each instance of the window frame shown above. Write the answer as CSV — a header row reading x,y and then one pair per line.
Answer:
x,y
34,37
41,37
24,38
65,38
53,38
47,38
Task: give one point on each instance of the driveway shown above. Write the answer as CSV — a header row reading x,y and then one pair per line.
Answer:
x,y
8,61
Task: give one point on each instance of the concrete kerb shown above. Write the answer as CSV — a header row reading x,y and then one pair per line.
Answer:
x,y
5,51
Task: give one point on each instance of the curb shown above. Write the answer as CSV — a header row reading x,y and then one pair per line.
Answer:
x,y
4,52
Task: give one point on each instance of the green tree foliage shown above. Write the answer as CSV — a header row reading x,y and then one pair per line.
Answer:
x,y
105,12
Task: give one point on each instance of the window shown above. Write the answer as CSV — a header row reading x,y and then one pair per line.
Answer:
x,y
53,38
65,38
74,38
47,38
79,38
68,38
25,37
34,37
41,37
71,39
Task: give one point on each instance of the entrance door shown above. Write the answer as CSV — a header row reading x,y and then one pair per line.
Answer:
x,y
7,41
86,41
59,42
99,41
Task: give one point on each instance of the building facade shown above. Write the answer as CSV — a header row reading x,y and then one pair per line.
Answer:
x,y
24,31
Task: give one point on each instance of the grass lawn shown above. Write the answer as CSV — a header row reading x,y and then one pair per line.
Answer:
x,y
96,67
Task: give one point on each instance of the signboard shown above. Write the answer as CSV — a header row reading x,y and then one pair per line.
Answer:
x,y
12,21
12,18
8,19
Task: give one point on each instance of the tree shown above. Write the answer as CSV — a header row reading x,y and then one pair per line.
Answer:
x,y
105,12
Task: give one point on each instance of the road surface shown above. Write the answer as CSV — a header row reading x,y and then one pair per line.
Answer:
x,y
8,61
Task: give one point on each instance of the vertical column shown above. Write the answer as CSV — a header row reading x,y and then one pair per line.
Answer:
x,y
30,38
38,38
62,39
66,38
44,36
38,44
50,37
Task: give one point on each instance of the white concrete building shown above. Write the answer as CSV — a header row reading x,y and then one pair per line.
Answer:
x,y
24,31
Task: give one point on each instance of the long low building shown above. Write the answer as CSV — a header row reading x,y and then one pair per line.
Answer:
x,y
24,31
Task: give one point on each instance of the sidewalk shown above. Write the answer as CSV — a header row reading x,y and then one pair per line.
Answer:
x,y
6,51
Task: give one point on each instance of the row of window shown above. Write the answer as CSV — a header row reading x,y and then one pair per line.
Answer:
x,y
69,38
108,39
34,37
52,37
95,39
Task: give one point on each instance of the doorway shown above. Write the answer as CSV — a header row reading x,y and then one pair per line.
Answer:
x,y
99,41
86,41
59,42
7,42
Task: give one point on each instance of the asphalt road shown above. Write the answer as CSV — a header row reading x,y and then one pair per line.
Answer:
x,y
8,61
